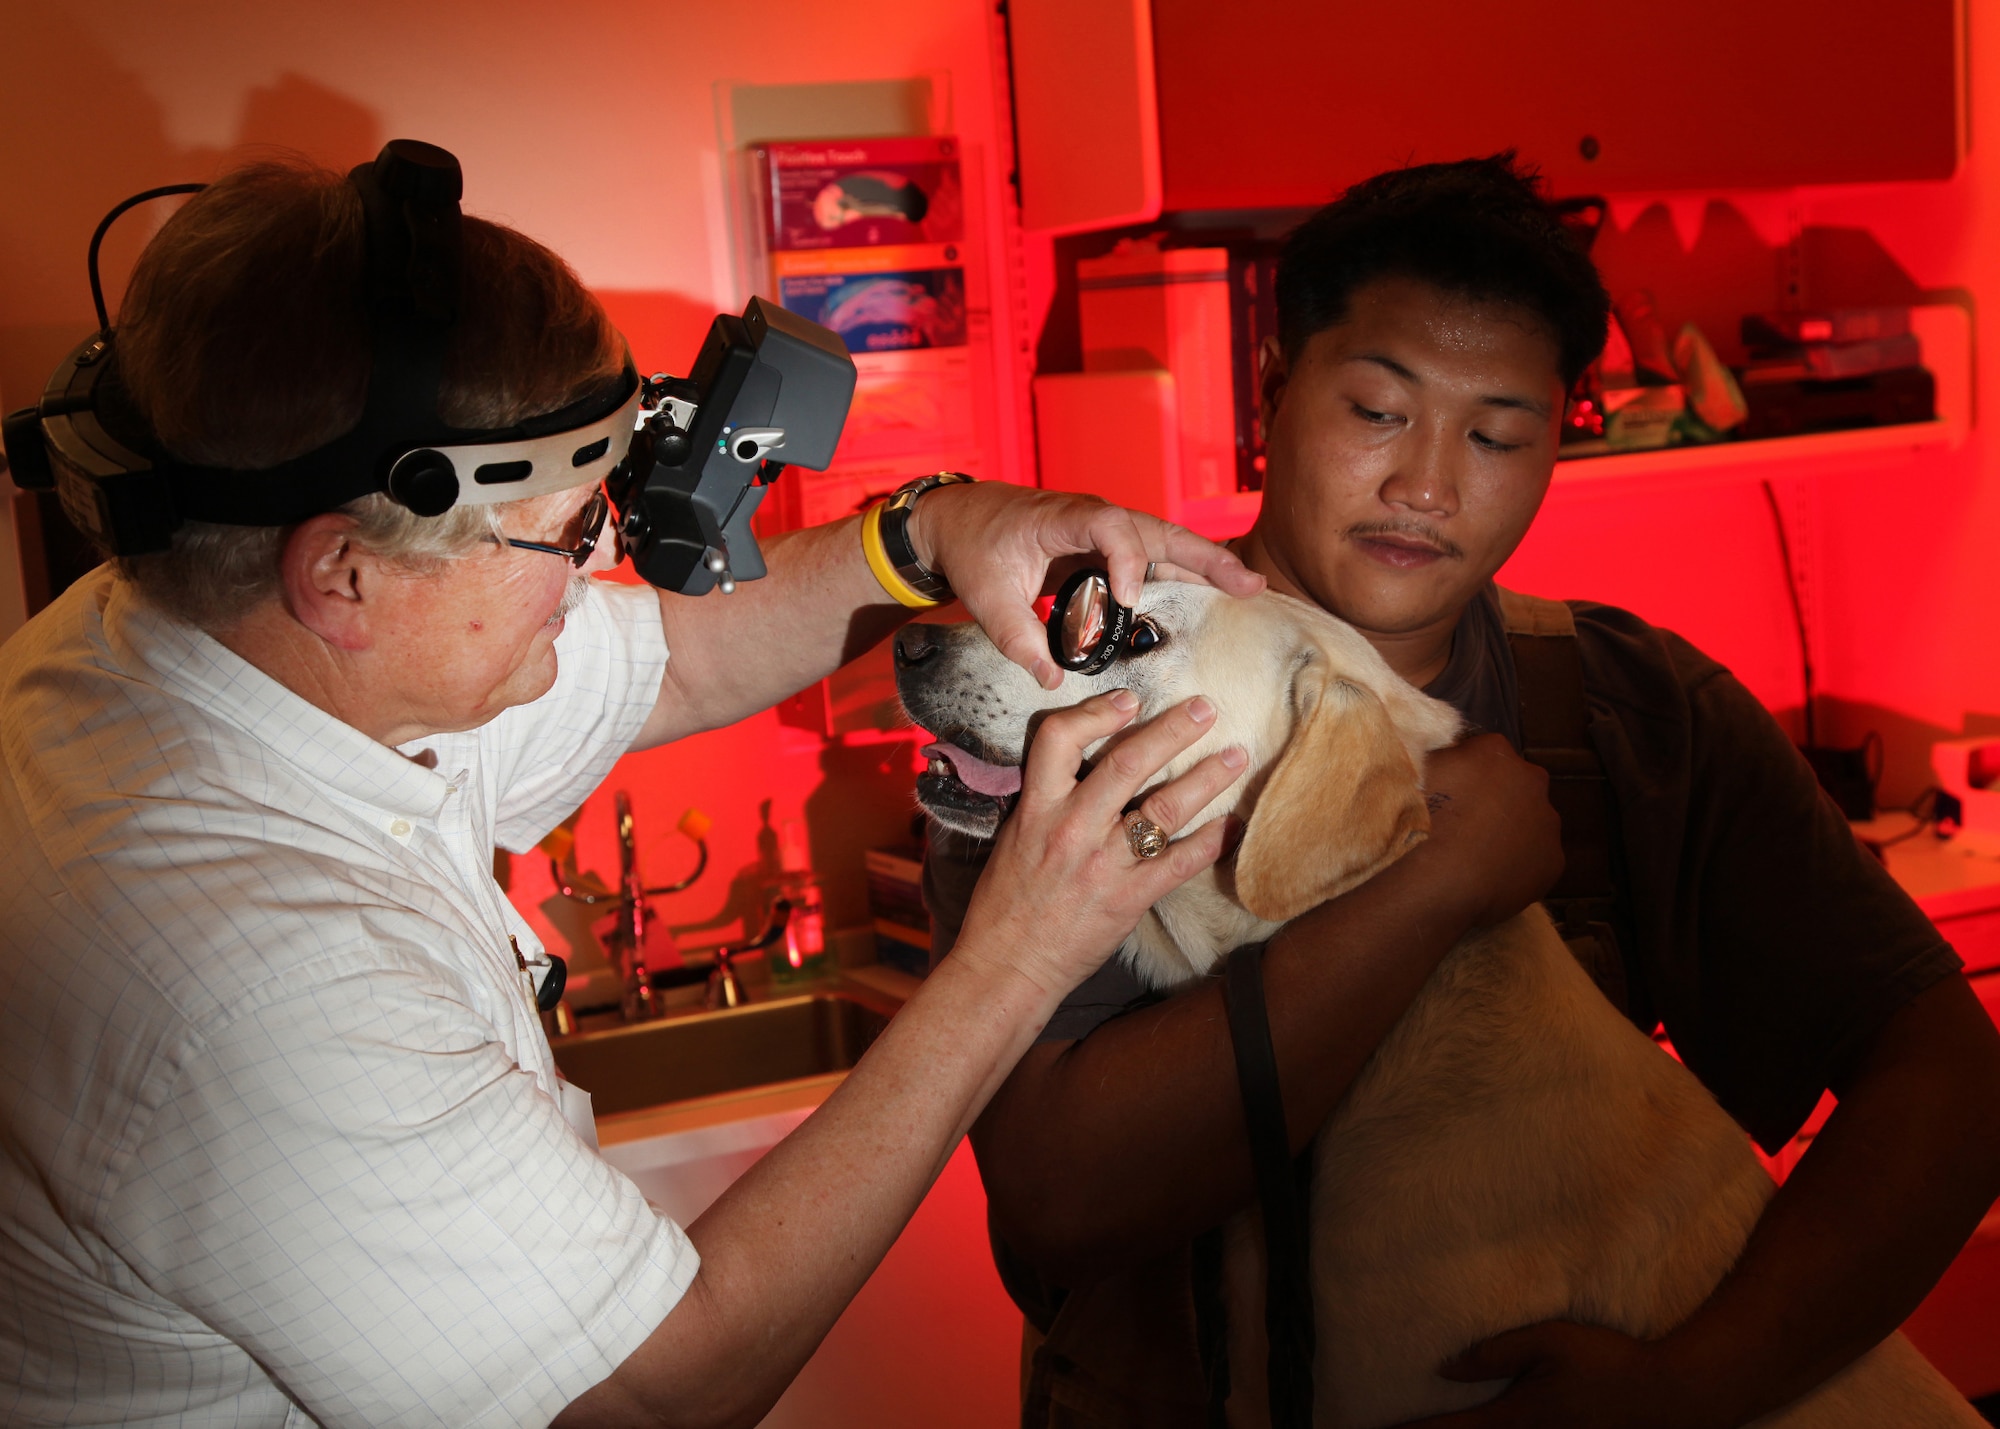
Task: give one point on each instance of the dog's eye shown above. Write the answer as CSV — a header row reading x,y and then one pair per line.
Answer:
x,y
1145,635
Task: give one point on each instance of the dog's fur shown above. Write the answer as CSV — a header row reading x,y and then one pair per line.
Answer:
x,y
1516,1150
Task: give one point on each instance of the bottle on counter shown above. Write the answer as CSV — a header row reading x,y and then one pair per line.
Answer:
x,y
802,953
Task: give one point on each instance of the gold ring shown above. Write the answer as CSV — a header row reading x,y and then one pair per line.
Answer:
x,y
1145,838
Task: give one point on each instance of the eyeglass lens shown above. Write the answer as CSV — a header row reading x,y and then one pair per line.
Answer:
x,y
593,513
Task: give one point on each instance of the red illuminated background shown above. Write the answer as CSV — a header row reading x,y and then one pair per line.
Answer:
x,y
601,128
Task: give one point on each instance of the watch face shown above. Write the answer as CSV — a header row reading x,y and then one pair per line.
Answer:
x,y
931,483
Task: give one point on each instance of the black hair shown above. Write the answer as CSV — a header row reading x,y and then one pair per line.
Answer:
x,y
1479,228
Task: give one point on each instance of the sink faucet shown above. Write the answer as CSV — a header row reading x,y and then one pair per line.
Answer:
x,y
626,942
630,935
724,988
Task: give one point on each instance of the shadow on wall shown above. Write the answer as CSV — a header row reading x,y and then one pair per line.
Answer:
x,y
1906,742
664,330
83,134
1731,271
68,161
866,798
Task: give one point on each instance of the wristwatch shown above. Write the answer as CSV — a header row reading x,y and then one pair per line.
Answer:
x,y
895,532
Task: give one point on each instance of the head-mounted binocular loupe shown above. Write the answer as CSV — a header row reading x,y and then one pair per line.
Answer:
x,y
768,390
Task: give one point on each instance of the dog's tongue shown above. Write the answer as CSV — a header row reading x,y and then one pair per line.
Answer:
x,y
996,780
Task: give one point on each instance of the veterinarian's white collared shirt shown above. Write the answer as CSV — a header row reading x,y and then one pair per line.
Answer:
x,y
277,1137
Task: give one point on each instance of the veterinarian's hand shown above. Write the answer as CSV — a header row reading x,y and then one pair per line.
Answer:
x,y
995,543
1495,841
1567,1375
1063,886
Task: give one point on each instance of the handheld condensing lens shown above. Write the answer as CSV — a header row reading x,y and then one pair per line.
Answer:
x,y
1088,628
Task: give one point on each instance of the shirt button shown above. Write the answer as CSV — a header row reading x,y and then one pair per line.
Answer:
x,y
400,828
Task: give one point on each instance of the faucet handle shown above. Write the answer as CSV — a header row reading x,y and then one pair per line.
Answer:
x,y
725,989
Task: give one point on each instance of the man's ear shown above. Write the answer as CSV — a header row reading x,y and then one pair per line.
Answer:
x,y
1343,803
326,578
1273,372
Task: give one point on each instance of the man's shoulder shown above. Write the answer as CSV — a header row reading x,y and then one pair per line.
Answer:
x,y
161,848
1631,663
1665,712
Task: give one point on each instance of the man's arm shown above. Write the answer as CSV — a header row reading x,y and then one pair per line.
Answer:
x,y
1118,1148
786,1247
731,656
1802,937
820,606
1859,1233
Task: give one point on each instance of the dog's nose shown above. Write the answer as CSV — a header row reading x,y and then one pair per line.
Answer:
x,y
914,645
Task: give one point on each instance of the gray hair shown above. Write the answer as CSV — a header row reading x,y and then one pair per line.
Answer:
x,y
214,575
244,341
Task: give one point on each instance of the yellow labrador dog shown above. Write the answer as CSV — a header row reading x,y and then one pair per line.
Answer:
x,y
1516,1150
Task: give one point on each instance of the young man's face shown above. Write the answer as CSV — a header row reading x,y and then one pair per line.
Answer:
x,y
1409,446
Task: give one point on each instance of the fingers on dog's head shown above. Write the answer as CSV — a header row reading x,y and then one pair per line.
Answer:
x,y
1024,640
1063,735
1174,803
1143,753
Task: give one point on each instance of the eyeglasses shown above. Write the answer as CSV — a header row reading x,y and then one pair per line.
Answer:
x,y
592,513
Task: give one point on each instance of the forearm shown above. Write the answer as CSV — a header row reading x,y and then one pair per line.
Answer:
x,y
1868,1220
789,1244
734,655
1121,1147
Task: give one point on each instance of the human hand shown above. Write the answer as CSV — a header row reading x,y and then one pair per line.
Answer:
x,y
1567,1374
995,543
1495,843
1063,887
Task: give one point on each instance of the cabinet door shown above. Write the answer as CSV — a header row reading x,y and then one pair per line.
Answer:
x,y
1086,119
1282,103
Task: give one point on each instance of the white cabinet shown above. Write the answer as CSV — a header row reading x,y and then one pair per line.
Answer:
x,y
931,1340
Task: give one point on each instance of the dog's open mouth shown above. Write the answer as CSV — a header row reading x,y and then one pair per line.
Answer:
x,y
965,777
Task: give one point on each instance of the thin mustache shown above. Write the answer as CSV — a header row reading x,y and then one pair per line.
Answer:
x,y
1414,530
579,587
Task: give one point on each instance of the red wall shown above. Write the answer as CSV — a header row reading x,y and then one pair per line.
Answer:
x,y
595,127
1900,587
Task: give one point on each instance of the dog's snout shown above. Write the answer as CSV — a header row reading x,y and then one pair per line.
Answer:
x,y
914,645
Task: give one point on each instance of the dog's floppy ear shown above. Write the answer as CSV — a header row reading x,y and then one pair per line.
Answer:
x,y
1342,804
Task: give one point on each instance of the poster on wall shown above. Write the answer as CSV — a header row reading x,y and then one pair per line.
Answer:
x,y
861,193
867,237
894,311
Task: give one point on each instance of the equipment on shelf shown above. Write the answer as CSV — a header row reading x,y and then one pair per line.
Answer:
x,y
1792,407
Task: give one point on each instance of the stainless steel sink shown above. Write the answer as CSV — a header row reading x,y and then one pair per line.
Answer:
x,y
702,1053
